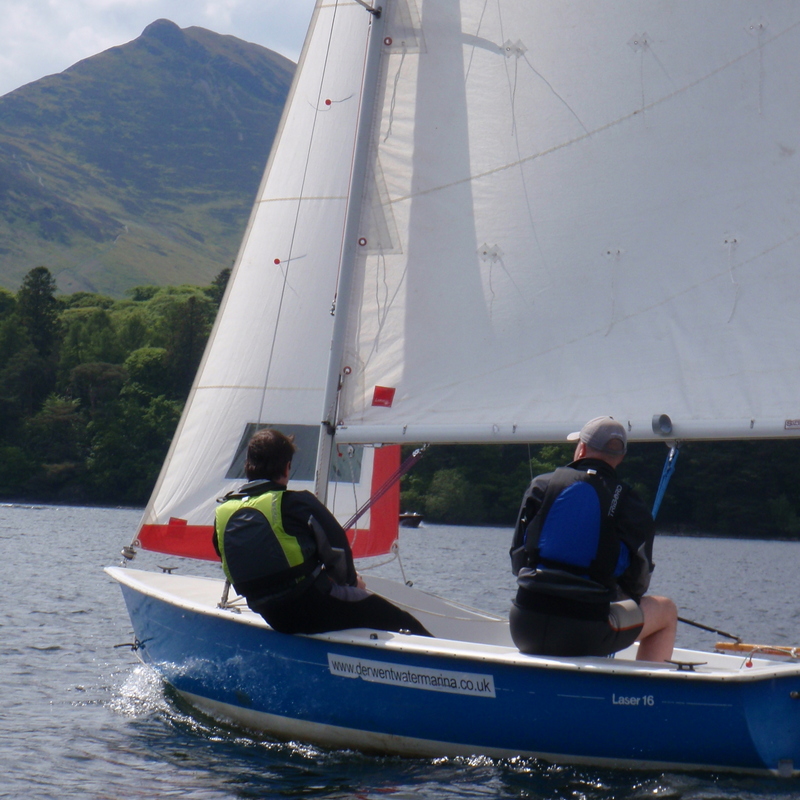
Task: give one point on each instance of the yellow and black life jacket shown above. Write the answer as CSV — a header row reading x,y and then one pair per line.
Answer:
x,y
264,563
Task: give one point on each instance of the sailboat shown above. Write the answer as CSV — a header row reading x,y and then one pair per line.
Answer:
x,y
491,222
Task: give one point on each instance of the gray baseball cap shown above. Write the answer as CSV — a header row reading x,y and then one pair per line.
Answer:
x,y
599,434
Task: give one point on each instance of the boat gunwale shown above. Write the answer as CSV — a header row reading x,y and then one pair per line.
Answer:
x,y
502,655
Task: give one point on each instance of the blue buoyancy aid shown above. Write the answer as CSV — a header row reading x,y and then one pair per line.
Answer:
x,y
574,529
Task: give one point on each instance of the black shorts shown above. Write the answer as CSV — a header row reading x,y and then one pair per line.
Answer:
x,y
549,634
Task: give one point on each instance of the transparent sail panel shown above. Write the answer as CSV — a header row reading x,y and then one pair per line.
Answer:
x,y
345,466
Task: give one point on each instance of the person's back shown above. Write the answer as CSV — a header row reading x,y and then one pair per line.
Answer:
x,y
582,553
287,555
268,549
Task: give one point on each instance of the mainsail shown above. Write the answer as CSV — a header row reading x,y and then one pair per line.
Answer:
x,y
577,209
540,241
267,358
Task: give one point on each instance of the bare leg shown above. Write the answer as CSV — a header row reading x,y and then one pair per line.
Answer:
x,y
658,633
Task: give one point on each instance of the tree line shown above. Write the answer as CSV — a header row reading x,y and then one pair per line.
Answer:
x,y
91,390
746,489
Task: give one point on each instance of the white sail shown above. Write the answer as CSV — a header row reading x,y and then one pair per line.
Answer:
x,y
568,211
578,209
267,359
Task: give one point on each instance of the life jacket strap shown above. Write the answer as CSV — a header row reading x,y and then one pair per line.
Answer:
x,y
282,582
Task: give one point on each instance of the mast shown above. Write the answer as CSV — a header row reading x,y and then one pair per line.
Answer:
x,y
348,257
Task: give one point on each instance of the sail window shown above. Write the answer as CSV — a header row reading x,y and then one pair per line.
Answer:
x,y
345,464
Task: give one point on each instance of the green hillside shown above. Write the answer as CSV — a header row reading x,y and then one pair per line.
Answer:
x,y
139,165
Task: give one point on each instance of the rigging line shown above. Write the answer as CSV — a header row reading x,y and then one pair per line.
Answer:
x,y
353,484
513,89
614,263
520,161
477,34
396,551
390,481
710,629
529,209
383,313
381,285
511,85
297,213
732,243
395,556
557,95
393,101
368,567
641,82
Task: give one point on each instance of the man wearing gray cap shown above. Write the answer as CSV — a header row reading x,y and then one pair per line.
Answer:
x,y
582,554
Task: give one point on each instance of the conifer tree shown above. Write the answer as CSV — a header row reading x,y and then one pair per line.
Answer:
x,y
37,309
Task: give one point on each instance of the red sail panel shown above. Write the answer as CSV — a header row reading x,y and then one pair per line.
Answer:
x,y
178,538
385,513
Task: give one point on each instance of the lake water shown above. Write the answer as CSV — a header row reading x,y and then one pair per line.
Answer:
x,y
79,718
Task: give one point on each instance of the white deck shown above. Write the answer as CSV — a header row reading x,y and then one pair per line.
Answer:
x,y
459,631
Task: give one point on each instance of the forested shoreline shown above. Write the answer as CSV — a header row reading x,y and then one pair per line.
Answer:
x,y
91,390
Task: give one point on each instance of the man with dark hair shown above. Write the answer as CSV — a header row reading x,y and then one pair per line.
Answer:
x,y
582,553
286,554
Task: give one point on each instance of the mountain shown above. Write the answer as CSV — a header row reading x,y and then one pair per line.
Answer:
x,y
138,165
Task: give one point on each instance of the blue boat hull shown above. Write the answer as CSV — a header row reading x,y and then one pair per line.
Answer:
x,y
422,697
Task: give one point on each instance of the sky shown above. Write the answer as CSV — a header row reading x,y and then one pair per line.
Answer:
x,y
42,37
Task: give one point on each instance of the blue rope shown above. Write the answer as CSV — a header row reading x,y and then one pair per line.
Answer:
x,y
669,468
